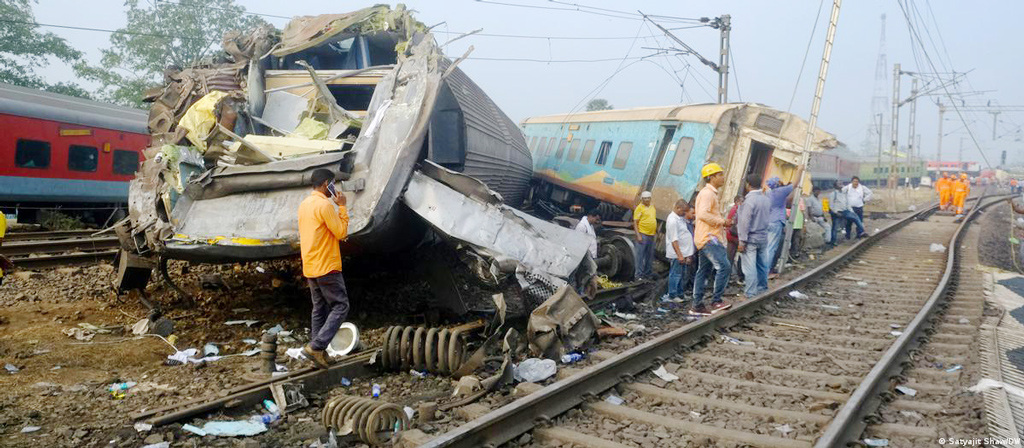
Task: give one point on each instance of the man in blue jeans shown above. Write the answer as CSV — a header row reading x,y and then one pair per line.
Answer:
x,y
709,238
752,228
779,195
645,224
679,250
838,205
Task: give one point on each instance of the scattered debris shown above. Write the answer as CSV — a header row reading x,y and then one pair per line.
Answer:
x,y
210,350
141,327
353,415
876,442
11,368
29,429
533,370
862,284
572,358
664,374
784,429
937,248
561,324
233,428
988,384
964,321
627,316
906,391
798,295
614,399
793,326
912,414
466,386
735,341
954,368
830,307
609,331
193,429
143,427
896,333
247,323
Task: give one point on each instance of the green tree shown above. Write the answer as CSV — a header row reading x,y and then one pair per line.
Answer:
x,y
165,34
23,49
599,104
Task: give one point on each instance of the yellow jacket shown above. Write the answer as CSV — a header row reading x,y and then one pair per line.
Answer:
x,y
320,229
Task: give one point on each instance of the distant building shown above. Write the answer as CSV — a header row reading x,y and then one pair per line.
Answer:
x,y
872,173
935,168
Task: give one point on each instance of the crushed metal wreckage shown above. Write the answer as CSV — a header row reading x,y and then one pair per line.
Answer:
x,y
369,95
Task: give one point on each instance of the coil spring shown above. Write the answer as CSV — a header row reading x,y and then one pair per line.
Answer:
x,y
436,350
367,419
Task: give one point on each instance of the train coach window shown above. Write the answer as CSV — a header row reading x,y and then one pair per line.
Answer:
x,y
551,146
83,158
561,148
32,154
622,156
588,149
127,162
574,149
683,148
602,153
533,144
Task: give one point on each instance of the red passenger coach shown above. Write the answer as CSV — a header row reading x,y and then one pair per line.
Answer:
x,y
58,151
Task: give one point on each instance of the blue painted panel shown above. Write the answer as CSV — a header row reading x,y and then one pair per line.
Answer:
x,y
685,184
16,188
643,135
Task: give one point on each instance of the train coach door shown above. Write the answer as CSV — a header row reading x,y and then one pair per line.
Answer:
x,y
760,155
667,132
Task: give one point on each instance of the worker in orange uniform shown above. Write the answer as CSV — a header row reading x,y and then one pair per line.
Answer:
x,y
961,189
944,187
321,227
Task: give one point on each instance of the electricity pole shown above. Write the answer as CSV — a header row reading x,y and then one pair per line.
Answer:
x,y
911,133
938,155
725,25
878,166
894,148
995,114
812,124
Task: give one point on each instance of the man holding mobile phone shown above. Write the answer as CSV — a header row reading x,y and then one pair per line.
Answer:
x,y
321,227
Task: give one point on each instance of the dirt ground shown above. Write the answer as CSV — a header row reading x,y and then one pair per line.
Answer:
x,y
996,248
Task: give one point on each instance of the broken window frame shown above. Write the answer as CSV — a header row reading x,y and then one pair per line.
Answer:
x,y
603,152
622,155
588,149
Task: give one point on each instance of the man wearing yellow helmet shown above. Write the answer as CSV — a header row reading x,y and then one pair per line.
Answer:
x,y
710,240
961,188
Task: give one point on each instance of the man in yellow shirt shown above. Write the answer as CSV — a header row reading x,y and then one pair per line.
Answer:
x,y
709,237
645,224
320,229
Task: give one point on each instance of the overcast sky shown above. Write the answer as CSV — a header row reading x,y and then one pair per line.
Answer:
x,y
769,39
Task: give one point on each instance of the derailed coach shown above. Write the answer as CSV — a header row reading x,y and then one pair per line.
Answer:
x,y
367,95
603,160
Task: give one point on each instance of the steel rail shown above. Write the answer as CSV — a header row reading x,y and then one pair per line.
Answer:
x,y
24,236
849,423
508,422
61,245
52,261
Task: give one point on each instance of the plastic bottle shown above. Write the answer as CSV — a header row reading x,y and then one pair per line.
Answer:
x,y
570,358
266,418
272,407
121,386
376,391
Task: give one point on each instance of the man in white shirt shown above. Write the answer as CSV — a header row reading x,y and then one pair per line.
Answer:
x,y
856,196
679,249
586,226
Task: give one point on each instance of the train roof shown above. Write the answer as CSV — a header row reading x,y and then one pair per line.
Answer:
x,y
700,113
26,102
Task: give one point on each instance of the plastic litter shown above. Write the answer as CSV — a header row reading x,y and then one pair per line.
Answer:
x,y
784,429
571,358
409,411
141,327
988,384
694,414
533,370
271,407
829,307
906,391
954,368
627,316
295,353
614,399
250,341
247,323
158,445
862,284
29,429
375,392
664,374
346,382
896,333
210,350
115,387
193,429
964,321
234,428
876,442
895,325
735,341
11,368
417,373
911,414
798,295
275,329
937,248
143,427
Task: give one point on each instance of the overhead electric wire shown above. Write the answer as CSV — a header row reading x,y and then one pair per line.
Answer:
x,y
914,34
566,61
670,18
518,36
810,40
597,90
204,6
83,28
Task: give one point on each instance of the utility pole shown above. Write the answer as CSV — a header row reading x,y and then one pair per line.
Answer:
x,y
938,155
812,124
725,25
878,166
995,114
911,134
895,136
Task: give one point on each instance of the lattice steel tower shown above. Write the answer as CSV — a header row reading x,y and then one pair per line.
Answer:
x,y
878,129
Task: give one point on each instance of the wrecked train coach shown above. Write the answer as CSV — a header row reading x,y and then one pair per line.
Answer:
x,y
605,159
370,96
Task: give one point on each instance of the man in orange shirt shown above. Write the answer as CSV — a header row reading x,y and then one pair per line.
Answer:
x,y
942,187
709,237
320,229
961,189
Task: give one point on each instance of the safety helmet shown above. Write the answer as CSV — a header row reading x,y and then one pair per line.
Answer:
x,y
963,175
710,169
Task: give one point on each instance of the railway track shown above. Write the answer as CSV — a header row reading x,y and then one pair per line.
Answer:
x,y
52,235
42,252
779,370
